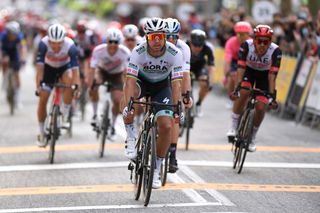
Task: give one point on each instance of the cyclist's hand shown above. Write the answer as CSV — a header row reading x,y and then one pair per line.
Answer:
x,y
235,94
126,114
188,103
37,92
272,101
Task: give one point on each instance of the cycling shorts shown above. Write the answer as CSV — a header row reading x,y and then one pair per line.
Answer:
x,y
115,80
202,72
233,65
52,75
158,92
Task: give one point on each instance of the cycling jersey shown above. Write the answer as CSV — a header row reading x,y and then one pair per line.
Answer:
x,y
153,69
112,64
270,61
66,56
85,44
205,57
12,49
231,52
186,54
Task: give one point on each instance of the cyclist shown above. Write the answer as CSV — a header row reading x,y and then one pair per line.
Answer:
x,y
153,64
242,30
202,64
108,63
13,47
57,59
172,33
131,36
258,65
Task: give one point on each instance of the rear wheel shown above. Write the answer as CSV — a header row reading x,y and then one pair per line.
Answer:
x,y
149,162
189,122
105,123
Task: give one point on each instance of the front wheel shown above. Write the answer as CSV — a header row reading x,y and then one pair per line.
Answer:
x,y
105,123
54,131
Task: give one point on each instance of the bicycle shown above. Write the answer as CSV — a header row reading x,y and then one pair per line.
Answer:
x,y
53,122
11,90
243,138
102,129
142,168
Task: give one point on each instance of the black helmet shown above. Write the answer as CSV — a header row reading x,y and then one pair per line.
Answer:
x,y
198,37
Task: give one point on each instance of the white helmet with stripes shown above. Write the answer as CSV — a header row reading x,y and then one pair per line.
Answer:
x,y
155,25
56,33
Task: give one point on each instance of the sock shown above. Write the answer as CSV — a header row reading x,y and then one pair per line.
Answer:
x,y
113,120
158,163
130,129
41,127
173,148
254,132
95,107
65,110
235,120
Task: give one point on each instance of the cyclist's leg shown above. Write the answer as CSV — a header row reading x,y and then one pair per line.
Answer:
x,y
202,78
15,64
94,94
66,79
5,65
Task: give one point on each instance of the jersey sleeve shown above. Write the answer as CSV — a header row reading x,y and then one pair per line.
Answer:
x,y
94,59
186,58
133,66
276,60
210,61
242,55
177,71
42,50
73,53
228,51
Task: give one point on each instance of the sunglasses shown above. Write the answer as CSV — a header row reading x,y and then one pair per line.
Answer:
x,y
197,45
153,36
130,39
263,41
113,42
173,37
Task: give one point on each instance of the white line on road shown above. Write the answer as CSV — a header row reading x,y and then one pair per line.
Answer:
x,y
191,193
81,208
93,165
214,193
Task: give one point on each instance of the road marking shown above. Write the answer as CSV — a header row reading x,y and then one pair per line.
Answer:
x,y
168,187
197,179
116,164
105,207
117,146
191,193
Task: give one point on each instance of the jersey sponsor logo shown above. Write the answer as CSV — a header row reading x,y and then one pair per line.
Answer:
x,y
254,58
141,50
132,72
172,51
166,100
155,68
177,69
133,66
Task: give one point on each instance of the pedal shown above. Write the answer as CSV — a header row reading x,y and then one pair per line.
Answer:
x,y
231,139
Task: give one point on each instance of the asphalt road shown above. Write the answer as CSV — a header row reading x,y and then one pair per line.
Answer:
x,y
282,176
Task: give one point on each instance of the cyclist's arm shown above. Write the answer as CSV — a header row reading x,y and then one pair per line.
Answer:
x,y
42,49
176,77
186,82
210,63
242,61
131,79
276,61
23,50
73,53
227,57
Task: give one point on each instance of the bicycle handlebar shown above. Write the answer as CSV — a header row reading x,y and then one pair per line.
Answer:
x,y
59,85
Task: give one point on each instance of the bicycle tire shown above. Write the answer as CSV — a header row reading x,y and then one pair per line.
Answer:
x,y
105,123
70,115
188,120
83,101
247,137
138,170
149,162
164,169
11,92
54,133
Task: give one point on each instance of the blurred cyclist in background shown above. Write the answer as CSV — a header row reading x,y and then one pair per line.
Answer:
x,y
242,30
202,64
57,60
108,63
131,36
258,65
14,53
172,34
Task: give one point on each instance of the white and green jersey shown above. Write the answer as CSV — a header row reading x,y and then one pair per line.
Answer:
x,y
143,65
186,54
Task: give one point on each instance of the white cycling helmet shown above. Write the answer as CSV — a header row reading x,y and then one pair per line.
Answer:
x,y
155,25
173,26
114,34
130,31
56,33
13,27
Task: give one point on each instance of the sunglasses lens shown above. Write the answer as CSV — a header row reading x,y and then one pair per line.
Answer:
x,y
263,41
154,36
174,37
113,42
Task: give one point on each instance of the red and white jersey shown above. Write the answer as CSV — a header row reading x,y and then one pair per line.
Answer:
x,y
270,61
112,64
